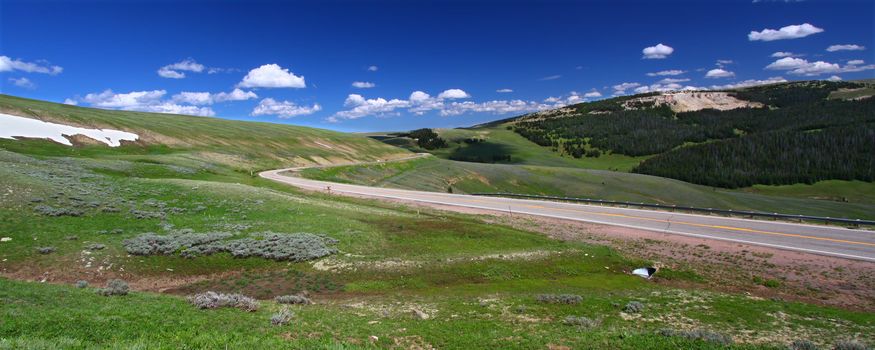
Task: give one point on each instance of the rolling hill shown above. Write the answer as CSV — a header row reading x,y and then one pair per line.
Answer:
x,y
182,139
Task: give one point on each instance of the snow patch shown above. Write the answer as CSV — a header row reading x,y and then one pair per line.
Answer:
x,y
13,126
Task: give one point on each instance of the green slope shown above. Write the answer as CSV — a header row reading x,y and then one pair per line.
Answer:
x,y
180,139
433,174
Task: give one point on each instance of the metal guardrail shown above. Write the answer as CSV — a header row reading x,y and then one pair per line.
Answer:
x,y
728,212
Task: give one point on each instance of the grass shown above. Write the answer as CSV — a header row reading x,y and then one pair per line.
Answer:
x,y
470,276
500,141
180,139
432,174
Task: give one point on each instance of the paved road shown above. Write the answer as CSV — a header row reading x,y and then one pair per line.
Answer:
x,y
826,240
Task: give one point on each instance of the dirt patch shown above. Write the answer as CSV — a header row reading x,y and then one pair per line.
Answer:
x,y
689,101
723,266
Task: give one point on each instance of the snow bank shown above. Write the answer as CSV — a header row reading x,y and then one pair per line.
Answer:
x,y
12,126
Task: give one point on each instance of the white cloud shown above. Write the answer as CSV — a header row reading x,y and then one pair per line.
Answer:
x,y
22,83
592,94
670,72
620,89
800,66
788,32
504,90
206,98
673,80
453,94
834,48
284,109
494,107
719,73
363,84
787,63
780,54
373,68
361,107
176,70
7,65
144,101
723,63
551,77
70,101
659,51
748,83
834,78
272,76
234,95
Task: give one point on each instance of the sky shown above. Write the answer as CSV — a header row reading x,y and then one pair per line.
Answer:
x,y
399,65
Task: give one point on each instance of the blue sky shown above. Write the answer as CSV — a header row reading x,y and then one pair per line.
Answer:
x,y
430,64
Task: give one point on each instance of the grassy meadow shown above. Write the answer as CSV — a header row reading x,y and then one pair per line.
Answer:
x,y
401,277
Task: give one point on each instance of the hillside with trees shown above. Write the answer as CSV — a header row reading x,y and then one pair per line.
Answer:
x,y
798,135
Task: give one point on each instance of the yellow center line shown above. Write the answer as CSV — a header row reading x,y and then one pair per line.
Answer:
x,y
748,230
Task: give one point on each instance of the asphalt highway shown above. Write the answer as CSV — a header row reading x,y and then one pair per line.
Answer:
x,y
818,239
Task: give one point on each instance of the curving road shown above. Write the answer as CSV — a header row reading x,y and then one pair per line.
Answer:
x,y
826,240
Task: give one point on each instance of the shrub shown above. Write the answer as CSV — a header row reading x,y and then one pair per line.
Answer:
x,y
288,247
698,334
95,246
580,321
282,318
72,238
633,307
212,300
52,211
81,284
293,299
802,345
114,287
850,345
45,250
569,299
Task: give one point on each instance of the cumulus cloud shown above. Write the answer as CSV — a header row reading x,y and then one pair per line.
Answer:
x,y
748,83
788,32
848,47
592,94
22,83
177,70
670,72
363,84
504,90
620,89
780,54
798,66
659,51
453,94
144,101
206,98
70,101
420,102
719,73
673,80
373,68
8,65
271,76
284,109
834,78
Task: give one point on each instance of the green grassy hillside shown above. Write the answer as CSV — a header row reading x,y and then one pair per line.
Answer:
x,y
181,139
498,141
835,198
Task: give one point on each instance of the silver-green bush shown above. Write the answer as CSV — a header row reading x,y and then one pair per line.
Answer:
x,y
560,298
283,317
850,345
581,321
293,299
276,246
212,300
81,284
633,307
114,287
699,334
802,344
45,250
